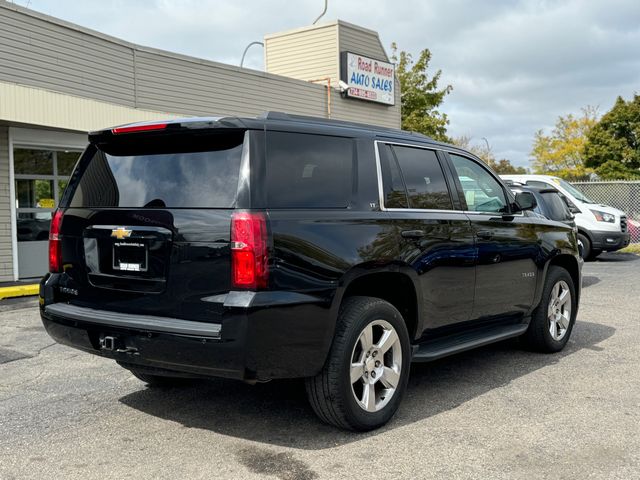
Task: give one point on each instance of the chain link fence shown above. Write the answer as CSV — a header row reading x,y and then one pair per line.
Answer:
x,y
624,195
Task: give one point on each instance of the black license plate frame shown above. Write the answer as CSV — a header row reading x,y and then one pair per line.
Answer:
x,y
131,257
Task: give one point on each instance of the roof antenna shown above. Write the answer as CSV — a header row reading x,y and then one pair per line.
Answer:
x,y
326,3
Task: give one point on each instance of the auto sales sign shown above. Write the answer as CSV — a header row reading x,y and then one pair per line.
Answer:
x,y
368,79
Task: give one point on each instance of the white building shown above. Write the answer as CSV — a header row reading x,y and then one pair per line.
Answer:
x,y
59,80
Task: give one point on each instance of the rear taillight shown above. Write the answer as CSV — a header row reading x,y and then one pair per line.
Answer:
x,y
249,250
146,127
55,245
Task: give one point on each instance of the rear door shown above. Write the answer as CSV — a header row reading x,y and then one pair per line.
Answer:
x,y
430,230
507,244
147,222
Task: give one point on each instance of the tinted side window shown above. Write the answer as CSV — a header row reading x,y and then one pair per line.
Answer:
x,y
482,192
423,177
308,171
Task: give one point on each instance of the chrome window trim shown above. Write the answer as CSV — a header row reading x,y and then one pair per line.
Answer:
x,y
381,188
418,210
379,174
244,174
421,210
494,214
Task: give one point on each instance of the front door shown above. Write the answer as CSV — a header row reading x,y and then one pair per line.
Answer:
x,y
506,244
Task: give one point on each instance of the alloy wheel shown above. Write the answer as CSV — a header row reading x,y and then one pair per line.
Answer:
x,y
376,365
559,310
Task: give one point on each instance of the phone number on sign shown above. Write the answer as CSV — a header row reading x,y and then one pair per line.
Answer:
x,y
360,93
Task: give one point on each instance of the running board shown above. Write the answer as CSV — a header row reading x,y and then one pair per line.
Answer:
x,y
443,347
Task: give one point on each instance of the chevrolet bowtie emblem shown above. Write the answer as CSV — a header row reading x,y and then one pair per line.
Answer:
x,y
120,233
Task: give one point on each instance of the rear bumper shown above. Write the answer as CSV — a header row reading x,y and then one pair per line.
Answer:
x,y
609,241
289,338
148,323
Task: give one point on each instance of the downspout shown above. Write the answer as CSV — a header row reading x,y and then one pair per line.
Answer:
x,y
328,80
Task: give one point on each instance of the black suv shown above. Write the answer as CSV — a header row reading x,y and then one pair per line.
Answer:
x,y
551,203
285,246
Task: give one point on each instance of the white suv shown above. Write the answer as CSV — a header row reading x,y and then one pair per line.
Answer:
x,y
600,227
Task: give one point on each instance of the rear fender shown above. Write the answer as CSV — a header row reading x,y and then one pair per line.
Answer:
x,y
360,271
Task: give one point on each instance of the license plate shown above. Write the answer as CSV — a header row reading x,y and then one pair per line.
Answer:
x,y
130,257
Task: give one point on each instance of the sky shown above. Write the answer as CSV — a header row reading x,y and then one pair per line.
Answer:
x,y
515,66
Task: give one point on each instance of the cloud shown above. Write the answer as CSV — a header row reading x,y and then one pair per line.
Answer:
x,y
514,65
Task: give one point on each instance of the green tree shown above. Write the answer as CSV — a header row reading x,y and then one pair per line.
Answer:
x,y
420,96
613,145
505,167
562,153
614,170
43,189
484,152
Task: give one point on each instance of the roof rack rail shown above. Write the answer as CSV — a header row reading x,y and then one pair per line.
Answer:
x,y
274,115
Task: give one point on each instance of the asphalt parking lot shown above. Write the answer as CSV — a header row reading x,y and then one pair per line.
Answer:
x,y
498,412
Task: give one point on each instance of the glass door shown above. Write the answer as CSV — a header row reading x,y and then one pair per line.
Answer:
x,y
41,176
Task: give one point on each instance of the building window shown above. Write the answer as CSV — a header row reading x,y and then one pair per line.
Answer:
x,y
41,176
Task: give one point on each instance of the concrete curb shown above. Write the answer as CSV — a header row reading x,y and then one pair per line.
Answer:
x,y
18,291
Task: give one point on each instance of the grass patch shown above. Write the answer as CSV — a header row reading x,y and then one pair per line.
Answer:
x,y
632,248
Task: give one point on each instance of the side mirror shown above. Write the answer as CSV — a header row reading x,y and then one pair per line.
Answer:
x,y
526,201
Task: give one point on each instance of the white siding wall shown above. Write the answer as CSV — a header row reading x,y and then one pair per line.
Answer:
x,y
6,259
305,54
50,54
20,104
362,41
183,86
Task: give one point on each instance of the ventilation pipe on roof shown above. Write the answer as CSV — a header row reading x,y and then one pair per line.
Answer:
x,y
247,48
326,4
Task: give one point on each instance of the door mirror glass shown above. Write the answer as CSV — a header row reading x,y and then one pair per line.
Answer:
x,y
526,200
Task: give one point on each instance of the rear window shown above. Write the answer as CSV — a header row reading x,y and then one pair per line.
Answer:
x,y
537,183
161,172
557,207
308,171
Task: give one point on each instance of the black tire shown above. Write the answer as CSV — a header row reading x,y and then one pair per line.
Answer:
x,y
160,381
585,250
538,336
331,394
